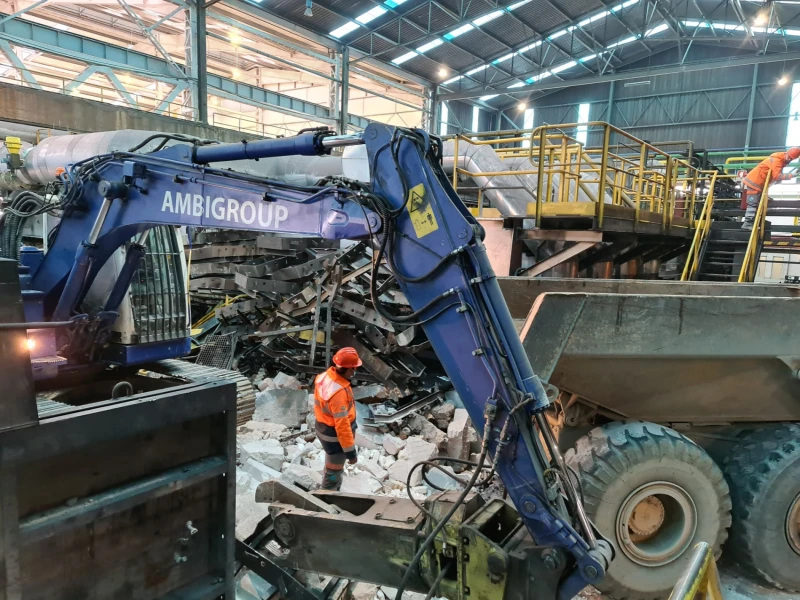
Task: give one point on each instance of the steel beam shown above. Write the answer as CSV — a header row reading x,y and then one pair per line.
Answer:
x,y
199,41
344,90
22,11
752,108
16,61
61,43
625,75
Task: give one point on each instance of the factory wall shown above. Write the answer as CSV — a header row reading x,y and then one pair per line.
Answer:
x,y
709,107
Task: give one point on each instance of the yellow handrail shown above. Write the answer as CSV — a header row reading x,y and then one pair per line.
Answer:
x,y
750,262
700,580
568,171
700,235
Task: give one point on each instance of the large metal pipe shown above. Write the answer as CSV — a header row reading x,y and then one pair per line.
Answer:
x,y
502,190
43,161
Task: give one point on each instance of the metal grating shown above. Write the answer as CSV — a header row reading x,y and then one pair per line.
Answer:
x,y
218,351
158,290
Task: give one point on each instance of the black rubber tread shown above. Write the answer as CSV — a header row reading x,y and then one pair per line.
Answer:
x,y
245,392
751,469
607,452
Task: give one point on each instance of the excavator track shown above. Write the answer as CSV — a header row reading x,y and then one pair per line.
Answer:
x,y
245,391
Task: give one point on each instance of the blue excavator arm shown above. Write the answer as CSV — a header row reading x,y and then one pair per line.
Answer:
x,y
419,226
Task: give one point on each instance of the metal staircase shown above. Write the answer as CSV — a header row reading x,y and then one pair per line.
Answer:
x,y
725,250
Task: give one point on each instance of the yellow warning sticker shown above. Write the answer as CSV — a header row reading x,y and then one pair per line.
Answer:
x,y
421,212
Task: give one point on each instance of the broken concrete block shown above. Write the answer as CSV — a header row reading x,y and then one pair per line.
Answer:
x,y
391,594
362,483
362,591
400,469
417,450
419,492
259,472
374,469
393,444
267,430
267,452
281,405
301,476
248,514
282,380
244,481
457,433
249,436
266,384
428,431
442,481
311,421
443,414
368,440
374,391
292,451
386,461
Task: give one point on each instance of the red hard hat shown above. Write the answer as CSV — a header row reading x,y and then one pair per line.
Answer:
x,y
347,358
793,153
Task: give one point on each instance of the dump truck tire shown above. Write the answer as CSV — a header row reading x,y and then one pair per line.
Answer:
x,y
654,494
764,475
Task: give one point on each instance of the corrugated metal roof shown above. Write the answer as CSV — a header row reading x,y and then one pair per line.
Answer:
x,y
452,56
402,32
510,30
480,44
439,18
541,16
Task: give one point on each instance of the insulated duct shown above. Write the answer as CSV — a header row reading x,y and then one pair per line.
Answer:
x,y
44,160
501,190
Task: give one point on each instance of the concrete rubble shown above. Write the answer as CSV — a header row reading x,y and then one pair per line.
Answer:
x,y
279,443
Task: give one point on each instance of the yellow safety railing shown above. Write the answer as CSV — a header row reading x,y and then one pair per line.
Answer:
x,y
700,581
748,272
701,232
623,171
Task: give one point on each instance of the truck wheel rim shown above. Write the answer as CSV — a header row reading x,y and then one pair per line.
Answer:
x,y
793,525
656,523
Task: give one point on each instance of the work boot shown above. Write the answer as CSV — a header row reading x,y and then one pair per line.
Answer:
x,y
747,226
332,479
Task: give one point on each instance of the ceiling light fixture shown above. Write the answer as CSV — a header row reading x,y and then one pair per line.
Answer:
x,y
761,18
442,72
522,106
783,80
309,12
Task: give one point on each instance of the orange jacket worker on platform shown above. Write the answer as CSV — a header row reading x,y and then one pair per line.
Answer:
x,y
335,412
753,184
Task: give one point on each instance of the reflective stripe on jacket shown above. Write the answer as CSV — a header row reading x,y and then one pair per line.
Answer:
x,y
334,406
772,166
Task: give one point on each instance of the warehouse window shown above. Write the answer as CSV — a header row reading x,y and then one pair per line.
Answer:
x,y
444,115
476,116
583,117
527,123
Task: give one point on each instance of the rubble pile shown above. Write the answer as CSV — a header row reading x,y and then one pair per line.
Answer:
x,y
387,452
288,303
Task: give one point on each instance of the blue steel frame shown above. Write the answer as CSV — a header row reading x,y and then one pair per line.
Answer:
x,y
465,316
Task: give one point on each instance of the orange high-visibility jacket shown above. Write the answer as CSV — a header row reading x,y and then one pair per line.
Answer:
x,y
773,165
334,406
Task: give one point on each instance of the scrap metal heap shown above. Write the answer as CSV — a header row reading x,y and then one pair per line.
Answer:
x,y
267,304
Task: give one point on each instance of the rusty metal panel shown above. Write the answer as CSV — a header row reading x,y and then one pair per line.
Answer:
x,y
19,406
700,359
521,292
129,498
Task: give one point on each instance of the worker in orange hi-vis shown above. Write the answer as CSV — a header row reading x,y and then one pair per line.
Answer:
x,y
335,413
753,184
